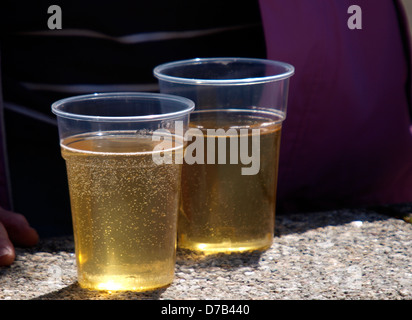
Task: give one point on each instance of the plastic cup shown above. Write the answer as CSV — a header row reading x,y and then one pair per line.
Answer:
x,y
124,194
230,170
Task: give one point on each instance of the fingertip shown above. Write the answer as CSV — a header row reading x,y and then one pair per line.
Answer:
x,y
7,256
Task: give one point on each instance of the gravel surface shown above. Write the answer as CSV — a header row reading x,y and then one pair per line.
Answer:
x,y
347,254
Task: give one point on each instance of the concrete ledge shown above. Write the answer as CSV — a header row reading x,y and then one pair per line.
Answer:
x,y
343,254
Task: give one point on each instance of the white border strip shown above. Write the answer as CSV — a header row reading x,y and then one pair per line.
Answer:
x,y
30,113
87,88
135,38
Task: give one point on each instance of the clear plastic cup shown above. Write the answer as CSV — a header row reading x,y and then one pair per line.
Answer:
x,y
231,161
124,198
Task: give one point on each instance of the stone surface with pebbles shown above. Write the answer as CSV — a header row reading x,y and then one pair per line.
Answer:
x,y
343,254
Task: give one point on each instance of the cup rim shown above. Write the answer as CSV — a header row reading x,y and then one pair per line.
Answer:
x,y
158,71
57,105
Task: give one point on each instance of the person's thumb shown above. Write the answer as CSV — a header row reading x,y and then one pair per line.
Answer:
x,y
7,253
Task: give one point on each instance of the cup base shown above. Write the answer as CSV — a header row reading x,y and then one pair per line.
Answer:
x,y
226,246
123,283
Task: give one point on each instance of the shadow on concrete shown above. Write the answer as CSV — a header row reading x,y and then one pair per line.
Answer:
x,y
75,292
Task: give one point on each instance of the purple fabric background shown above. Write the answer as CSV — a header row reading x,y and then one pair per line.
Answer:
x,y
346,139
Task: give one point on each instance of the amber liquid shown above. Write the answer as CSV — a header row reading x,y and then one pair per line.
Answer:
x,y
223,210
124,209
